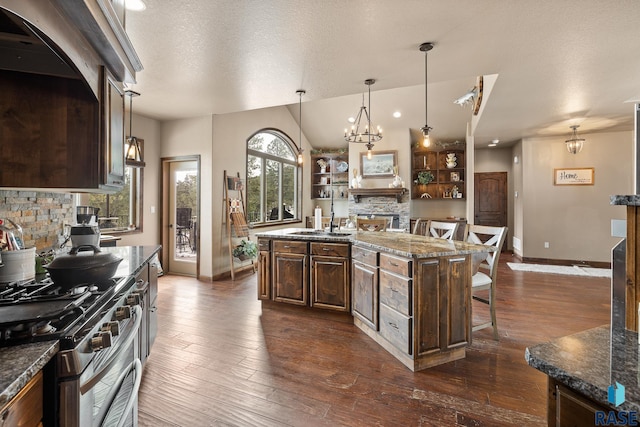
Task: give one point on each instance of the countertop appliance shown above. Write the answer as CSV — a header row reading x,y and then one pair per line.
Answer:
x,y
86,230
95,377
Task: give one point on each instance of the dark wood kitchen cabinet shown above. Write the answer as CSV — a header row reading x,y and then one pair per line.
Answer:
x,y
364,267
112,146
566,407
418,309
330,268
26,408
290,275
62,102
307,273
264,269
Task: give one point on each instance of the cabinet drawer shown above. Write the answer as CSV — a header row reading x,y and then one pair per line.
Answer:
x,y
395,328
395,291
366,256
264,244
401,266
289,247
330,249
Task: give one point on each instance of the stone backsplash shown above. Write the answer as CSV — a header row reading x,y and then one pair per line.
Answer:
x,y
41,215
383,206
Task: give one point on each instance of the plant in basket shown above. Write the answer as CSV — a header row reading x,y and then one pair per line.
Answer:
x,y
245,250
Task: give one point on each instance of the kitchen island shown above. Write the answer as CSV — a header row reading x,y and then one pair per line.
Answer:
x,y
581,367
411,294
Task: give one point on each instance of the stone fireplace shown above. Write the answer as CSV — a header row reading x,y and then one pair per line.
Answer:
x,y
383,206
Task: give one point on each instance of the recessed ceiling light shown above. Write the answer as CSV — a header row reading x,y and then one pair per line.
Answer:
x,y
492,145
351,120
136,5
397,114
495,141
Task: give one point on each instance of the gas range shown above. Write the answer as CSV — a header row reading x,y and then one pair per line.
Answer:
x,y
37,310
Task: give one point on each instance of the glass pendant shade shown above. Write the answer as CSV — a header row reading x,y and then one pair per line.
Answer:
x,y
574,144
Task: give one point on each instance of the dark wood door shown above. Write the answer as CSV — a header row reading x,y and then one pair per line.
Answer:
x,y
490,195
290,273
330,283
364,283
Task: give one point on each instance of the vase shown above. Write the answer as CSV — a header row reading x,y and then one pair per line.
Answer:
x,y
323,170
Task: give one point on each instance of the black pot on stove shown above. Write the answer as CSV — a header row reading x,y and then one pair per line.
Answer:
x,y
83,265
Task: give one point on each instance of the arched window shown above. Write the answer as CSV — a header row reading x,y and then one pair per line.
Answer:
x,y
273,179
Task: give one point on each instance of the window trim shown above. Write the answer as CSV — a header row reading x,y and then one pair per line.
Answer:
x,y
299,175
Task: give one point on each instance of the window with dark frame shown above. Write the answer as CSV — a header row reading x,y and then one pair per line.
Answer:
x,y
273,179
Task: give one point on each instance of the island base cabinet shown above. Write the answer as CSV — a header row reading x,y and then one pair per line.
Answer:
x,y
569,408
423,306
364,285
264,275
290,272
444,305
330,283
396,328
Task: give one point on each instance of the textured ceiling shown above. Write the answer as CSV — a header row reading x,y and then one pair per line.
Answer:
x,y
555,62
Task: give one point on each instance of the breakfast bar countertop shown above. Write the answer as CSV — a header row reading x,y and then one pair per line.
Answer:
x,y
401,244
590,361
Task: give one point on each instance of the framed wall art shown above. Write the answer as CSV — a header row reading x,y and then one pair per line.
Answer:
x,y
381,164
573,176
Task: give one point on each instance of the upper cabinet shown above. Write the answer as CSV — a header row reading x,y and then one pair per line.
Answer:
x,y
113,133
62,94
437,174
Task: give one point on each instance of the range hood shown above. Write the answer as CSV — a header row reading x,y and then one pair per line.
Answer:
x,y
24,48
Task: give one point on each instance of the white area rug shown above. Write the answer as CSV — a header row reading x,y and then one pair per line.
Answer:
x,y
561,269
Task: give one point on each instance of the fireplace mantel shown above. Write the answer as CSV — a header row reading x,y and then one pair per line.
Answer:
x,y
357,193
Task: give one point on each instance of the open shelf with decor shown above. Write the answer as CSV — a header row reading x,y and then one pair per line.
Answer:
x,y
437,174
324,179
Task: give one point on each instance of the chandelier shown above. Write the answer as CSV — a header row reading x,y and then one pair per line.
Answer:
x,y
426,142
363,132
574,144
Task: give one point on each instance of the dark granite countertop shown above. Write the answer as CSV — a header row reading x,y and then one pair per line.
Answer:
x,y
401,244
629,200
590,361
19,364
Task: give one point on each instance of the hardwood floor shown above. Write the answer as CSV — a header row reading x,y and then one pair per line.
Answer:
x,y
221,359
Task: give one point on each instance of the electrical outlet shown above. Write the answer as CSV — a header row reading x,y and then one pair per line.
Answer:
x,y
546,245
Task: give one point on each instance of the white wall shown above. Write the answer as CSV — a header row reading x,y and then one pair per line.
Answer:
x,y
190,137
230,133
149,131
575,220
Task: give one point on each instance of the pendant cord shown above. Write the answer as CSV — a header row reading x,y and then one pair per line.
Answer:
x,y
426,90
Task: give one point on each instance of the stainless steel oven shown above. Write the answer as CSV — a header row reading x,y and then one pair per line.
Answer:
x,y
99,379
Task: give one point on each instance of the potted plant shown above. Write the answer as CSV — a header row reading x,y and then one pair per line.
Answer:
x,y
425,177
323,165
245,250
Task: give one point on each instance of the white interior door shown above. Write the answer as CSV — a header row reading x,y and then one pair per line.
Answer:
x,y
183,217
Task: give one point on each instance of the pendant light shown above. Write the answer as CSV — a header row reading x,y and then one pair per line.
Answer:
x,y
426,142
300,92
574,144
133,156
367,135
